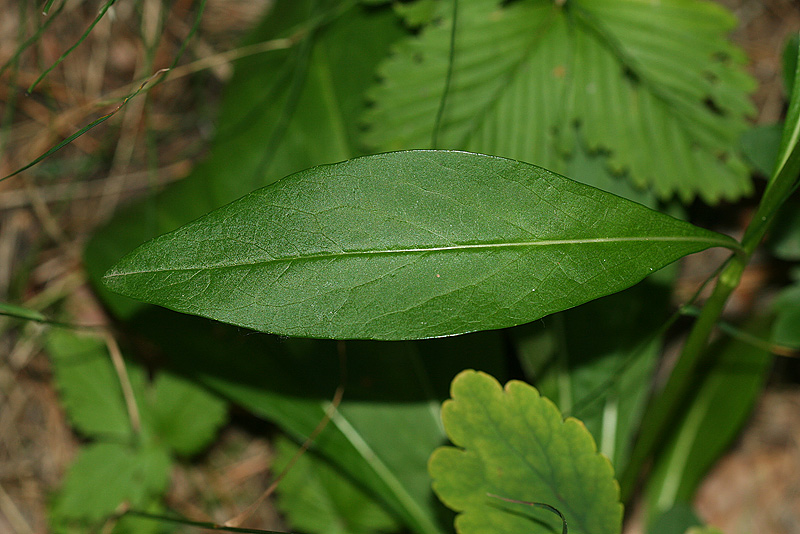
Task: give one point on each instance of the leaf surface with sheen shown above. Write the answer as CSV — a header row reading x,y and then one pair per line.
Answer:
x,y
406,245
514,443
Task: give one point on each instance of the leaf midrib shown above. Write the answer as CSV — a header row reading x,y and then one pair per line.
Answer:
x,y
711,241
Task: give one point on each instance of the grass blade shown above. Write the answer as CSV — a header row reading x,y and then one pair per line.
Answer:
x,y
86,128
69,50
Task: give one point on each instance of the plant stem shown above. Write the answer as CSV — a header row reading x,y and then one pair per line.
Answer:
x,y
665,406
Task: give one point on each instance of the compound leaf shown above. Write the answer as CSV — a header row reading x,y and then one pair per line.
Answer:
x,y
655,84
406,245
513,443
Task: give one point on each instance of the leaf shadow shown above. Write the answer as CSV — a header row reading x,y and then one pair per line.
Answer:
x,y
371,371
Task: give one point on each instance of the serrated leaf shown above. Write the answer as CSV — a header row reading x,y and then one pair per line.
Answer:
x,y
89,388
655,84
184,415
316,498
514,443
283,111
406,245
417,13
105,475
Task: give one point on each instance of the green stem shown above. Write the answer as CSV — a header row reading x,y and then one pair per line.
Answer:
x,y
665,406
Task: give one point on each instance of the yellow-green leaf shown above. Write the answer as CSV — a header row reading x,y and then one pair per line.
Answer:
x,y
513,443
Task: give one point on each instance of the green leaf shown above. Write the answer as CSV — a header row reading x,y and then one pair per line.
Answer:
x,y
790,62
655,84
676,520
316,498
21,312
89,387
406,245
184,415
787,155
723,398
598,366
514,443
785,176
282,111
784,236
760,146
388,422
786,330
105,475
416,13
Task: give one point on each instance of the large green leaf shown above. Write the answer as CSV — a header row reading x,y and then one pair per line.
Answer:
x,y
388,422
283,111
406,245
655,84
595,361
514,443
